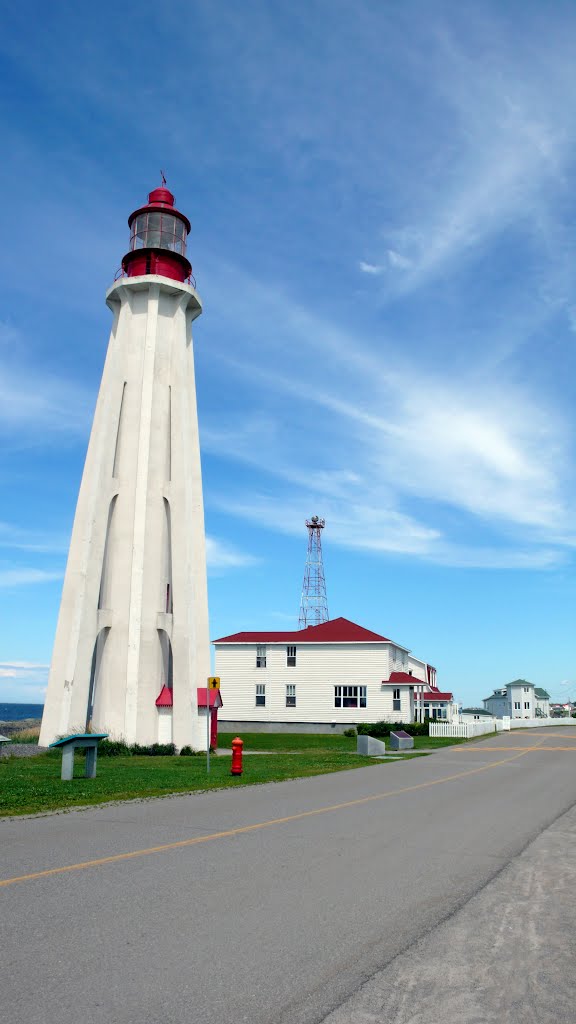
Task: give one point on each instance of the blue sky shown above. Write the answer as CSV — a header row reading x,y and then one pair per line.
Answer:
x,y
383,236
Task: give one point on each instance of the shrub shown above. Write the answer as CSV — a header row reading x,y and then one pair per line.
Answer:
x,y
187,752
113,748
349,732
382,729
154,750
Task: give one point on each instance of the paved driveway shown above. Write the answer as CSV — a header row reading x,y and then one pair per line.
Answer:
x,y
270,904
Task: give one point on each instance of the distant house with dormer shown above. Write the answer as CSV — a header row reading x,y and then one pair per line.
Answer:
x,y
518,699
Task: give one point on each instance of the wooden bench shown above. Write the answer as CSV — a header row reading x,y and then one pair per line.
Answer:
x,y
83,741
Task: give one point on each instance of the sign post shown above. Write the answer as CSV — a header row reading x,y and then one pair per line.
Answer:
x,y
213,684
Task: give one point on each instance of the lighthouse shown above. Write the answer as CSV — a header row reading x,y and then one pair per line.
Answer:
x,y
132,645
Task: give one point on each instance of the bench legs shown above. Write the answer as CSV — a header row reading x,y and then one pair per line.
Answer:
x,y
67,763
90,772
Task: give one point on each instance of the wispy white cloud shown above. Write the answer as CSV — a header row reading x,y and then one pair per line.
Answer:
x,y
20,539
222,556
27,670
37,407
371,268
397,452
500,145
24,576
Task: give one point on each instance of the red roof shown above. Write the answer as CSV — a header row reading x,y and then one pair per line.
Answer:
x,y
332,632
405,677
164,699
436,695
214,698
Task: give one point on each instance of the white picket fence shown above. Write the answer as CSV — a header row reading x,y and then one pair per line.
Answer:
x,y
466,730
535,723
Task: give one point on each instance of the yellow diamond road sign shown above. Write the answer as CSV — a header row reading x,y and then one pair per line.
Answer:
x,y
213,682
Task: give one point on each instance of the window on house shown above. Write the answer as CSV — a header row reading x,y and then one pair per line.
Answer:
x,y
526,689
260,695
396,700
260,656
290,695
349,696
526,705
291,657
516,705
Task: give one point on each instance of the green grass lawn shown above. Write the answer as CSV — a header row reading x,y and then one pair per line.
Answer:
x,y
297,741
32,784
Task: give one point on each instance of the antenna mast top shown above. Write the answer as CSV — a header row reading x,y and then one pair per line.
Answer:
x,y
314,603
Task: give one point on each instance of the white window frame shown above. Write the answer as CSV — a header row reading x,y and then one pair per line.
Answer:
x,y
526,705
350,693
517,705
396,700
260,695
260,655
291,657
290,695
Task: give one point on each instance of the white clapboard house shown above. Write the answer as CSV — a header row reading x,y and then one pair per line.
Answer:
x,y
323,678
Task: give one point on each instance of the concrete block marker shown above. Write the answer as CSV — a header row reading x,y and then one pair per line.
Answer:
x,y
3,740
401,740
369,746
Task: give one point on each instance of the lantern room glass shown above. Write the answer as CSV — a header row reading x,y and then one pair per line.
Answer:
x,y
157,229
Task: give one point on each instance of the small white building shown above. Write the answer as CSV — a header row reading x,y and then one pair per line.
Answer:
x,y
518,699
475,715
323,678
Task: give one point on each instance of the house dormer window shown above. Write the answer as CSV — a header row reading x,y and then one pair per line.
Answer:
x,y
260,656
291,657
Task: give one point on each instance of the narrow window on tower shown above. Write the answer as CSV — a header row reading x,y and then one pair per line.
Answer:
x,y
260,656
167,574
116,463
169,437
290,695
260,695
291,657
105,595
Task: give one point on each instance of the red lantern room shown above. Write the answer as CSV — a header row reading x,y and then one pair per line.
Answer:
x,y
158,235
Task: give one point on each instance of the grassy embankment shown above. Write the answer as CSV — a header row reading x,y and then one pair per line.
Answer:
x,y
292,741
32,784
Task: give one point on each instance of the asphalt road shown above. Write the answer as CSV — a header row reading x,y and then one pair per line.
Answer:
x,y
271,904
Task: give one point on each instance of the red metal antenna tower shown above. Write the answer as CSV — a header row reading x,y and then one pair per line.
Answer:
x,y
314,603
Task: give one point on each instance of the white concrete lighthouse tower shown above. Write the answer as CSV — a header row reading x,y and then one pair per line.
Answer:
x,y
132,640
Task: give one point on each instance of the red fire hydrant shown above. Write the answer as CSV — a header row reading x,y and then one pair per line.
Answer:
x,y
237,745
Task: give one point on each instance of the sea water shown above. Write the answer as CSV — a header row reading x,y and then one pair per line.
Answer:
x,y
18,712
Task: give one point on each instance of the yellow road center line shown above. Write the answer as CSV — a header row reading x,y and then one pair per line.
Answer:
x,y
539,749
241,830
